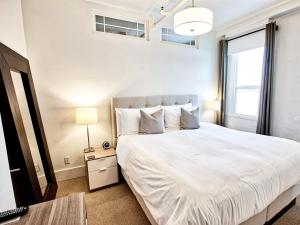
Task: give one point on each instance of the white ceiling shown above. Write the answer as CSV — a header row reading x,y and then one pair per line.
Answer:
x,y
225,11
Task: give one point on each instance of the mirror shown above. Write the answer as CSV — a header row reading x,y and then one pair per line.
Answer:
x,y
31,168
29,130
7,197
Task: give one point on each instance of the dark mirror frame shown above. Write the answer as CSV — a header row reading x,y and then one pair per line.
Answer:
x,y
19,154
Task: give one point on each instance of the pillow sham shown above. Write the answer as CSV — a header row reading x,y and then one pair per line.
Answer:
x,y
190,119
172,115
152,123
128,120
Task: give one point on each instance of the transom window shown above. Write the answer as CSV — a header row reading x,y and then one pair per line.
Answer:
x,y
246,68
117,26
168,35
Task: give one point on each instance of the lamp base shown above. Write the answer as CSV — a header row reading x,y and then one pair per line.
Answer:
x,y
90,149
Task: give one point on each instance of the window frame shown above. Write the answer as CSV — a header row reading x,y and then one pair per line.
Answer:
x,y
94,13
244,87
176,43
232,69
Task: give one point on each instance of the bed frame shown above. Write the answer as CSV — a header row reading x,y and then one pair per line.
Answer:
x,y
268,216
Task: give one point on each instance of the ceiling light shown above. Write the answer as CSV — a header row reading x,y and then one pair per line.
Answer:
x,y
193,21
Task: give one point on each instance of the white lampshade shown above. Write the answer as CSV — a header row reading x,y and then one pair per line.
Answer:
x,y
193,21
214,105
86,116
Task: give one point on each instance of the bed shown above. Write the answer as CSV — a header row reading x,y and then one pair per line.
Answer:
x,y
209,176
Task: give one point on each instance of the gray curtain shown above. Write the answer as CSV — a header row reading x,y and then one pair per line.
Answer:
x,y
223,58
263,123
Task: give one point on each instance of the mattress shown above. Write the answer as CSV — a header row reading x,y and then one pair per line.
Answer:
x,y
210,176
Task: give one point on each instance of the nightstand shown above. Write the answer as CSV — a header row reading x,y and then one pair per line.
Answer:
x,y
103,170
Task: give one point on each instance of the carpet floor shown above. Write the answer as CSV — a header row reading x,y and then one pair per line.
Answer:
x,y
117,205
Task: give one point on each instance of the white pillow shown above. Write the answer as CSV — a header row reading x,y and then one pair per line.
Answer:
x,y
172,115
128,120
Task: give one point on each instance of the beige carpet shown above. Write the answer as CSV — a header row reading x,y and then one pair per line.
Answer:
x,y
117,205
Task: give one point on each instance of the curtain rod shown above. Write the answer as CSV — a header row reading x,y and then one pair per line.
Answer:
x,y
243,35
273,18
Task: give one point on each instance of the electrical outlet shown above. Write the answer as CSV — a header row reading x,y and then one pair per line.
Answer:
x,y
67,160
37,167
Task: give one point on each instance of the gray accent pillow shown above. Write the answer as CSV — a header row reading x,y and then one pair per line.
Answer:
x,y
152,123
190,119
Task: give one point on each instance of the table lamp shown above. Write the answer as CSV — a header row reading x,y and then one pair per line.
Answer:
x,y
87,116
214,105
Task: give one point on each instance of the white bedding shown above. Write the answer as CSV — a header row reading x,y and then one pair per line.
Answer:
x,y
209,176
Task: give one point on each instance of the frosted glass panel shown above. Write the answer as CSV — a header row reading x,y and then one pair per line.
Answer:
x,y
249,67
119,30
170,36
247,101
99,19
120,23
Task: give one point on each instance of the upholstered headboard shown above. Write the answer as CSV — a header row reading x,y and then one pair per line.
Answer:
x,y
147,101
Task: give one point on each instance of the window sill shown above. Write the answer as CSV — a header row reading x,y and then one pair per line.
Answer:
x,y
179,44
243,117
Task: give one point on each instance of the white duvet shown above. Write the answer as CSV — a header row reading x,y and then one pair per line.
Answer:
x,y
209,176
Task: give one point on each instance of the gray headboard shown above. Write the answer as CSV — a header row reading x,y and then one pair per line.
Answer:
x,y
147,101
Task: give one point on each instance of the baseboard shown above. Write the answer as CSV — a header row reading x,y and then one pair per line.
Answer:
x,y
70,173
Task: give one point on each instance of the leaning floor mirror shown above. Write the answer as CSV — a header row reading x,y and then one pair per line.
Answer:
x,y
30,164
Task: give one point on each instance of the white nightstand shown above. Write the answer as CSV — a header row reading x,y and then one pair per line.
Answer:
x,y
103,170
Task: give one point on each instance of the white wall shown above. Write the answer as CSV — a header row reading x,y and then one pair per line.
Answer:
x,y
74,67
11,25
12,35
285,119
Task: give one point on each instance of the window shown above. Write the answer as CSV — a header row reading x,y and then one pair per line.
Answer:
x,y
122,27
168,35
246,68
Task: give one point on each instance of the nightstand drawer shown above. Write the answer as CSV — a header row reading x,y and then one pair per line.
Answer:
x,y
103,177
102,163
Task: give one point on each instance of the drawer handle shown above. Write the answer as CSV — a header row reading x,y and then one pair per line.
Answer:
x,y
102,170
